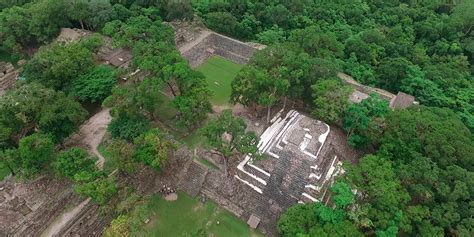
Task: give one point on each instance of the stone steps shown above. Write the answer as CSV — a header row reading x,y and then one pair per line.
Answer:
x,y
193,179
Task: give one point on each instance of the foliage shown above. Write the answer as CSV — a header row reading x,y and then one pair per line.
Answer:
x,y
92,42
435,166
317,219
227,134
22,28
95,185
179,9
363,121
193,106
384,195
57,65
95,85
31,107
153,50
425,48
92,15
134,99
153,148
119,227
72,161
121,154
331,100
138,28
128,127
9,159
279,72
35,152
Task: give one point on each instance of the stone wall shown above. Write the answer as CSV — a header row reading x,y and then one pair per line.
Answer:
x,y
199,53
365,89
216,44
234,50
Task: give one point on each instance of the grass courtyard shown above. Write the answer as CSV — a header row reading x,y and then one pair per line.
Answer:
x,y
219,73
187,217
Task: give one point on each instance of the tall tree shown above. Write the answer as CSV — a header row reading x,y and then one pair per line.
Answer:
x,y
72,161
121,153
31,107
96,85
95,185
153,148
35,152
56,65
254,86
331,100
227,134
317,219
363,121
382,192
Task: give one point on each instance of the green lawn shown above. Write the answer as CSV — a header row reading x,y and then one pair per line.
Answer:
x,y
187,217
219,73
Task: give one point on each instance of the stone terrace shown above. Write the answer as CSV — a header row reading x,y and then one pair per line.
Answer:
x,y
293,171
303,159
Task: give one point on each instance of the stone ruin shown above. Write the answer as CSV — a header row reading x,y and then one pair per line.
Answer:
x,y
8,76
26,209
362,92
294,167
197,44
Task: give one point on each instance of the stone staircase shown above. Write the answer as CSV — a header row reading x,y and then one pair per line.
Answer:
x,y
193,179
89,222
254,178
275,188
319,182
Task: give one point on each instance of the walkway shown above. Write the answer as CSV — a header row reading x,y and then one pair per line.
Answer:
x,y
90,135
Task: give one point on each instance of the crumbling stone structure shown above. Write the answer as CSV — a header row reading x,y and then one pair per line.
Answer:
x,y
8,76
210,43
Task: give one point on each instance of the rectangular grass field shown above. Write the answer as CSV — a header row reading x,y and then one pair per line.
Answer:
x,y
219,74
187,216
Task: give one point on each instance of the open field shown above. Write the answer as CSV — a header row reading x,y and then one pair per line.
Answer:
x,y
187,217
219,73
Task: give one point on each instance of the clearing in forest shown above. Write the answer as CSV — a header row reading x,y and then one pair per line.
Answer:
x,y
187,216
219,74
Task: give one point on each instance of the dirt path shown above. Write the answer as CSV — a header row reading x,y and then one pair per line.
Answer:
x,y
91,133
89,136
62,220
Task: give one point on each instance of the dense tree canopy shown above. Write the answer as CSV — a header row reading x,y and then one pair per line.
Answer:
x,y
417,181
57,65
153,148
95,85
321,220
420,47
153,50
128,127
31,107
35,153
72,161
363,121
332,100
